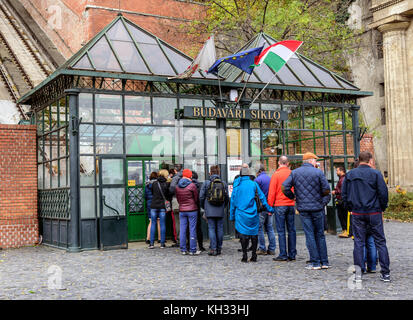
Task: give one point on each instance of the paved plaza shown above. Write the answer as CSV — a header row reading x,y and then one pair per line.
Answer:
x,y
140,273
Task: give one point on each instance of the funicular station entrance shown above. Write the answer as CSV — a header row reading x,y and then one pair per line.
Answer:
x,y
112,114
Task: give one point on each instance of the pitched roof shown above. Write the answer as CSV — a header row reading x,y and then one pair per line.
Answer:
x,y
124,47
298,72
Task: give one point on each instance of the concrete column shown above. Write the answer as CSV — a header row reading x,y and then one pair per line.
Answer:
x,y
399,113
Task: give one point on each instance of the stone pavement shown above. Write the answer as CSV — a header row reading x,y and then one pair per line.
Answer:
x,y
140,273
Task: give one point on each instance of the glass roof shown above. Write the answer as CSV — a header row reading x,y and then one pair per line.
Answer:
x,y
299,71
124,47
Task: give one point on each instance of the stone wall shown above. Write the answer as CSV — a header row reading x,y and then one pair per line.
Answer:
x,y
18,186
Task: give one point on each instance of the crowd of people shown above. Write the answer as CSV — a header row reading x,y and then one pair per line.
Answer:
x,y
254,201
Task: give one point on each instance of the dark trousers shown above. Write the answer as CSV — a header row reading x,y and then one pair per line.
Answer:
x,y
373,224
245,239
342,216
199,235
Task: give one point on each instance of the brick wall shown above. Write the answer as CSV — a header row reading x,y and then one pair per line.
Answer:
x,y
18,186
336,143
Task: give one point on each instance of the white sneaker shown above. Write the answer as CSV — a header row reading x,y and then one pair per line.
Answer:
x,y
198,252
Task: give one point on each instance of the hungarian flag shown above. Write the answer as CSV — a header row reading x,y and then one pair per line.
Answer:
x,y
205,59
277,55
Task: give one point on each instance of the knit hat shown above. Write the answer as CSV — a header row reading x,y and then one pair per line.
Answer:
x,y
187,173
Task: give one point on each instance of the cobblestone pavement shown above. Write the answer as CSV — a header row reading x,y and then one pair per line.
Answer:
x,y
140,273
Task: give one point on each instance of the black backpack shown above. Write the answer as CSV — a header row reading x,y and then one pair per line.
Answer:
x,y
216,192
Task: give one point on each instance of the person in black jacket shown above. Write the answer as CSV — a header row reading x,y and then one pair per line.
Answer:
x,y
148,197
365,193
160,193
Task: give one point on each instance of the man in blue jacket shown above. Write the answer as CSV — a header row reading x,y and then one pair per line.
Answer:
x,y
263,181
365,193
311,193
243,210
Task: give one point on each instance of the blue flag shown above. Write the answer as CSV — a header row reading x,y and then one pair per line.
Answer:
x,y
242,60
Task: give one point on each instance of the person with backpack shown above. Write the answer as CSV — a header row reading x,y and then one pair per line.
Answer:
x,y
245,200
159,206
213,199
199,234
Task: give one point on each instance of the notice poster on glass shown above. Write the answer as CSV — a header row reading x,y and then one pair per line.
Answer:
x,y
234,167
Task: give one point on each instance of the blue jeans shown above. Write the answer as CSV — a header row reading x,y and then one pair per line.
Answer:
x,y
370,254
266,225
285,216
188,218
155,214
373,224
216,233
313,225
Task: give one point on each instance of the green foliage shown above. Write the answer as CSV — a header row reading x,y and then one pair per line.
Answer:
x,y
319,23
400,207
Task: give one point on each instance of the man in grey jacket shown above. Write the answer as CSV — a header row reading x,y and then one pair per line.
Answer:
x,y
213,199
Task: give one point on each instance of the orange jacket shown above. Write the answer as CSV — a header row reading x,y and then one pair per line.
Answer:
x,y
276,197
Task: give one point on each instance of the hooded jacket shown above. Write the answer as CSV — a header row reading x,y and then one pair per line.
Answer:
x,y
276,198
187,195
212,211
158,201
244,208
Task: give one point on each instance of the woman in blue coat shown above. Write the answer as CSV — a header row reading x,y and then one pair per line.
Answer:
x,y
244,211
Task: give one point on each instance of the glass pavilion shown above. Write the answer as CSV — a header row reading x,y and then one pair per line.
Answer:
x,y
113,113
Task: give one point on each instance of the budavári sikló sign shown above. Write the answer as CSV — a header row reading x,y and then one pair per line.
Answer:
x,y
234,113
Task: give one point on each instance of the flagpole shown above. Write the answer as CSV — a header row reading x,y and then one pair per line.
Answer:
x,y
263,89
219,86
240,96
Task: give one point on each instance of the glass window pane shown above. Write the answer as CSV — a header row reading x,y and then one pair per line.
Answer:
x,y
211,140
181,63
112,171
87,171
54,138
40,176
135,172
208,103
83,63
233,142
137,110
39,122
103,57
118,32
288,77
190,103
193,142
323,76
156,59
47,145
54,174
109,139
87,203
164,110
255,138
294,117
108,108
196,165
147,140
273,123
86,138
62,142
54,123
139,35
302,72
129,57
63,172
115,198
47,175
269,140
86,107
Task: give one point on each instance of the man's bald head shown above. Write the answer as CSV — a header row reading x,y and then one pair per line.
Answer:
x,y
283,161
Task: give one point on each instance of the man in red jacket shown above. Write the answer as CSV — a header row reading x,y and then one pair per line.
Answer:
x,y
284,211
